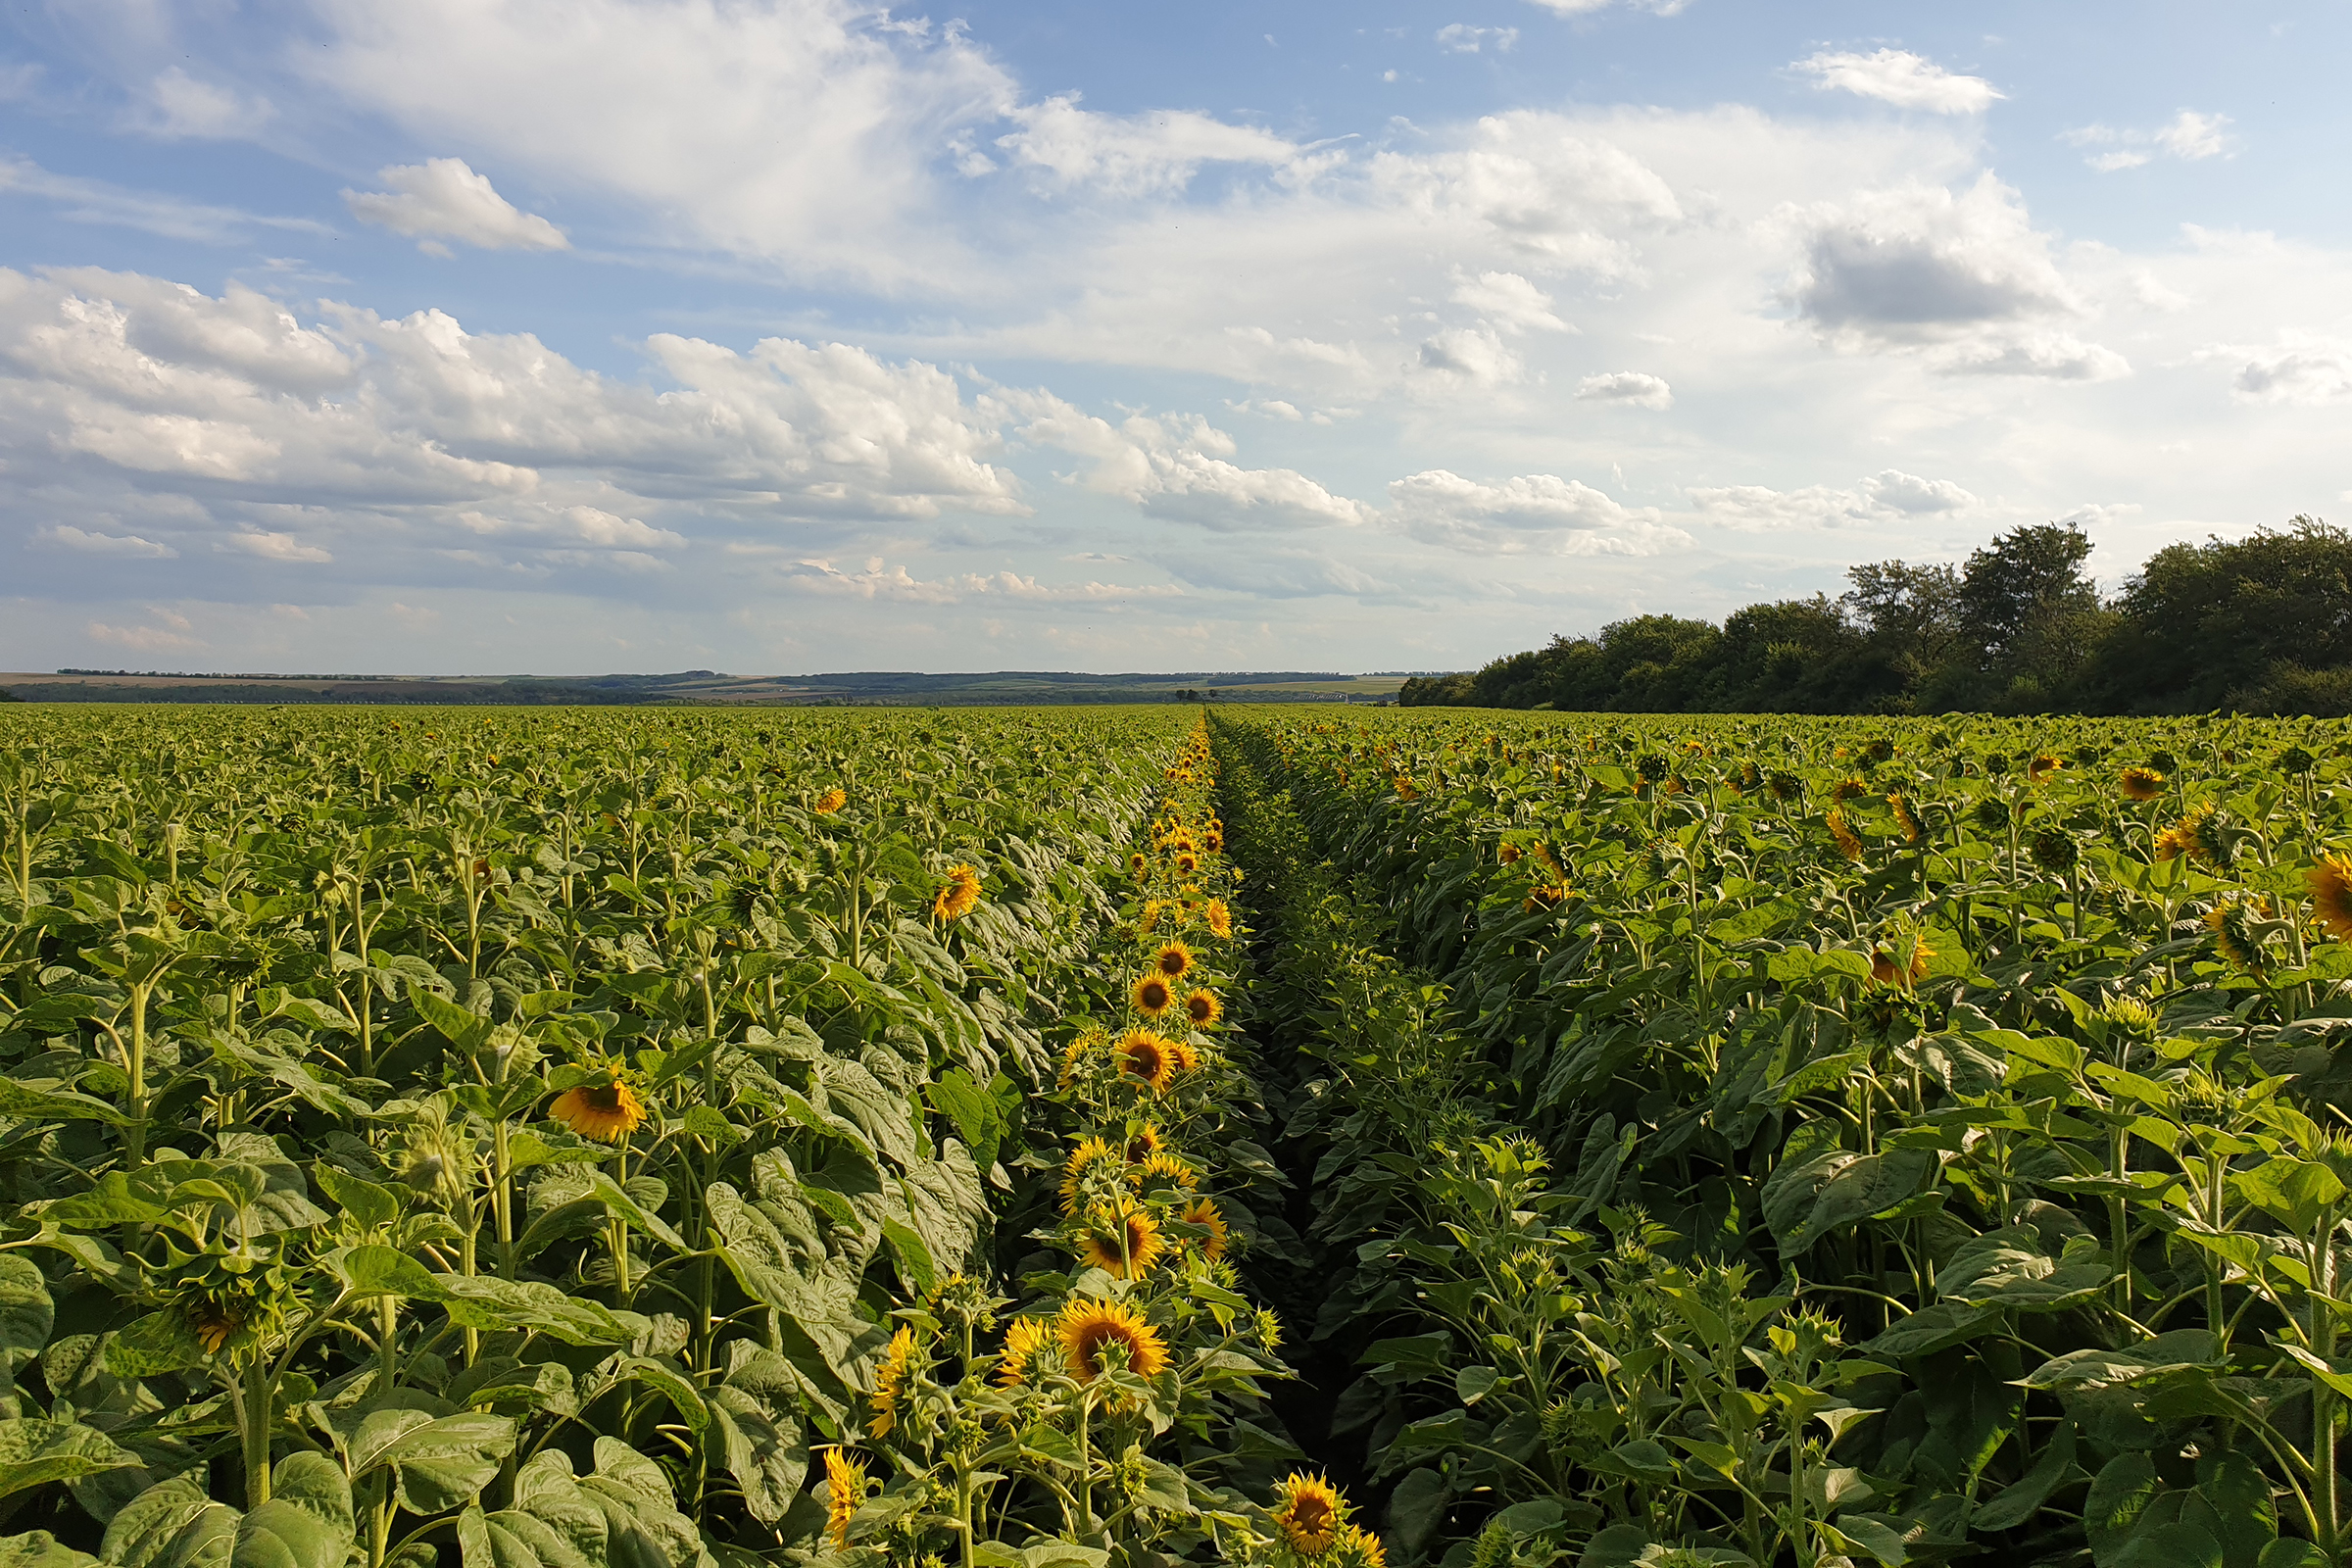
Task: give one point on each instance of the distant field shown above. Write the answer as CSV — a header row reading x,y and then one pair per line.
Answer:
x,y
704,688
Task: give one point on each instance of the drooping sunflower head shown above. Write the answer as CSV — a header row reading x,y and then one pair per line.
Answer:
x,y
1146,1060
1847,789
1204,1212
2141,783
2055,850
1090,1155
833,800
1308,1511
1906,820
1152,994
890,1383
959,895
1202,1007
1508,854
1122,1241
2234,936
1174,959
1094,1333
1219,918
844,1493
1144,1139
1842,833
2042,766
2331,885
1022,1341
1164,1169
608,1111
1886,968
1183,1057
219,1320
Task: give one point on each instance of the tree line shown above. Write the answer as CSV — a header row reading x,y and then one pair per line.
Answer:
x,y
2258,625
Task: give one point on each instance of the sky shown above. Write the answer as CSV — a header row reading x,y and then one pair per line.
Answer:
x,y
775,336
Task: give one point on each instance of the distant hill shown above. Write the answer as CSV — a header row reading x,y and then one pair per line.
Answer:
x,y
704,688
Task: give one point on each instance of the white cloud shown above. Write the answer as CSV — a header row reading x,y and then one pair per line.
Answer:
x,y
1918,261
1538,513
68,537
96,201
2055,356
443,198
2310,374
878,581
1176,466
1131,155
1902,79
1460,39
1509,302
274,547
2189,135
172,634
180,105
1470,356
1891,496
1635,387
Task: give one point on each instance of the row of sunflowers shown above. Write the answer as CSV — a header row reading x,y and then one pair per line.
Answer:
x,y
1768,1140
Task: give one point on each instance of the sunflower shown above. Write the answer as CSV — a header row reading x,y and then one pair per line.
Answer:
x,y
1508,854
1088,1327
1847,789
1173,960
1849,844
1148,1060
1357,1547
1151,995
1309,1510
1907,819
890,1384
2231,925
1544,898
959,896
1187,862
1164,1169
1202,1007
2141,783
1885,971
216,1320
1022,1341
1219,918
2041,767
1204,1212
2199,835
845,1491
608,1112
833,800
1075,1053
1123,1242
1137,865
1183,1057
2331,884
1084,1158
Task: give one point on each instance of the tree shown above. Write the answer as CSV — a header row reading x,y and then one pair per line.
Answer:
x,y
2014,588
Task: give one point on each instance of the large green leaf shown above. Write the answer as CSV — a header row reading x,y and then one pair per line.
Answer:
x,y
307,1523
41,1549
436,1463
477,1302
27,1315
33,1453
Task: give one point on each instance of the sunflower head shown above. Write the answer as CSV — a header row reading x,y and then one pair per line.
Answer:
x,y
1204,1212
833,800
1508,854
2042,766
1219,918
1174,959
2331,885
891,1381
1022,1341
1096,1333
1090,1155
1842,833
1146,1060
1308,1511
1122,1241
1151,995
845,1494
1187,862
608,1111
2141,783
1137,864
1164,1169
1202,1007
2056,851
1084,1044
1847,789
959,895
1906,820
2235,935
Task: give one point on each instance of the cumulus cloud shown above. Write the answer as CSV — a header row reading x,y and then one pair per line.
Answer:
x,y
443,198
1918,261
1470,356
2189,135
1131,155
1900,78
1540,513
1891,496
178,105
1460,39
1177,466
1634,387
2310,375
1509,300
1544,193
274,547
66,536
2055,356
172,630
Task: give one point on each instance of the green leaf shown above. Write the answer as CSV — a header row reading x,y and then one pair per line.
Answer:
x,y
167,1526
2022,1498
366,1203
41,1549
1473,1383
1934,1328
476,1303
2169,1352
2179,1544
27,1315
436,1464
1875,1537
33,1453
1417,1510
2120,1494
160,1341
28,1103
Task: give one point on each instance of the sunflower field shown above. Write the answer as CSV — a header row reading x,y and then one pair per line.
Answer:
x,y
692,1139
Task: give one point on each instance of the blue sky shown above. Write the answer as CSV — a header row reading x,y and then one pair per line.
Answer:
x,y
779,335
